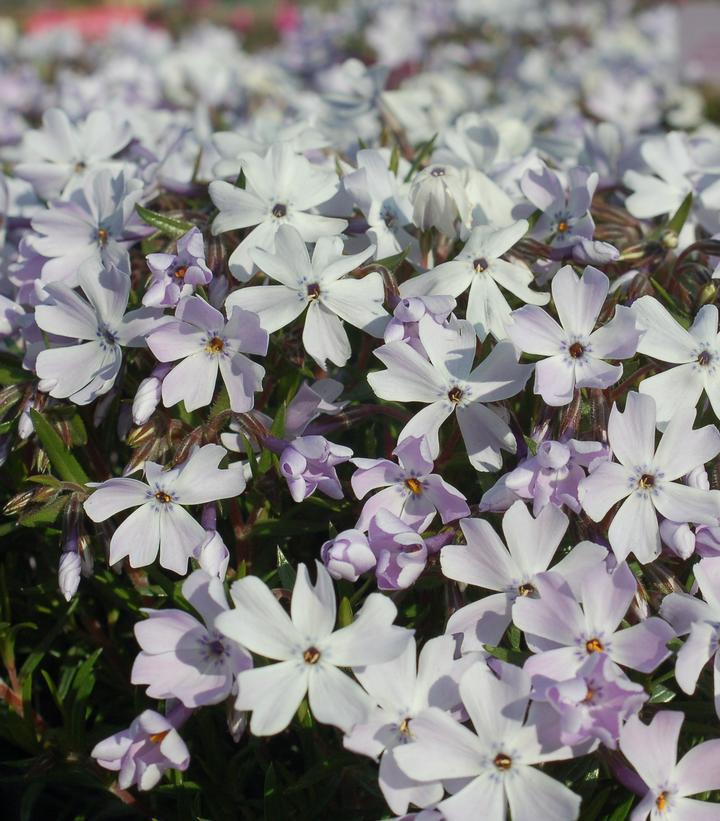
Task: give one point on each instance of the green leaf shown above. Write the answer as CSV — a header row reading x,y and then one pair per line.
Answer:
x,y
67,466
512,656
660,694
678,220
393,263
532,445
11,373
44,515
622,812
285,571
424,151
345,612
166,225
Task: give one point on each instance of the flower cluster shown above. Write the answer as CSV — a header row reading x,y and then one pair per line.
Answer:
x,y
375,404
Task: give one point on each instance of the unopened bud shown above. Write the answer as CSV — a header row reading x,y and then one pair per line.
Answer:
x,y
69,574
212,555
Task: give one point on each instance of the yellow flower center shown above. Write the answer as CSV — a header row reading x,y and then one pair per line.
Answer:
x,y
163,498
215,345
156,738
503,761
414,486
661,801
594,646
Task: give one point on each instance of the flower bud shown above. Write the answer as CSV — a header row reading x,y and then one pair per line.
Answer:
x,y
69,574
148,394
212,555
348,555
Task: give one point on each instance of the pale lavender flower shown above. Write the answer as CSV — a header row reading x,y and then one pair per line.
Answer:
x,y
206,343
176,275
575,353
57,158
309,653
402,688
85,371
97,225
183,658
448,383
652,750
496,761
595,702
281,189
485,562
563,635
404,324
645,477
160,522
694,352
667,157
565,208
439,199
320,286
383,198
551,476
412,492
146,749
480,268
700,619
308,464
400,550
348,555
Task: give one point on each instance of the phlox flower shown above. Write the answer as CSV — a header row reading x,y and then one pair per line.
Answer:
x,y
480,267
495,762
383,198
183,658
404,325
595,702
320,286
176,275
645,477
701,620
485,562
281,189
448,384
308,464
161,522
401,552
563,635
565,217
57,157
206,343
664,189
96,224
575,353
694,352
551,476
652,750
309,653
411,491
82,372
439,199
402,688
146,749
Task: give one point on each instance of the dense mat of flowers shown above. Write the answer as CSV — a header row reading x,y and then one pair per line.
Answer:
x,y
359,404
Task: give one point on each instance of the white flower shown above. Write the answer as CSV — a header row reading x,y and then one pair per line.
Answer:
x,y
160,521
479,267
320,285
280,188
309,653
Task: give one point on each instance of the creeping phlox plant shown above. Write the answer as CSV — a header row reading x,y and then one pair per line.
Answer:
x,y
359,406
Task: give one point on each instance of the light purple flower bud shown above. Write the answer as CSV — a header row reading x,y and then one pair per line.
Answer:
x,y
679,537
552,455
177,275
149,394
212,555
25,426
403,326
348,555
594,252
69,574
